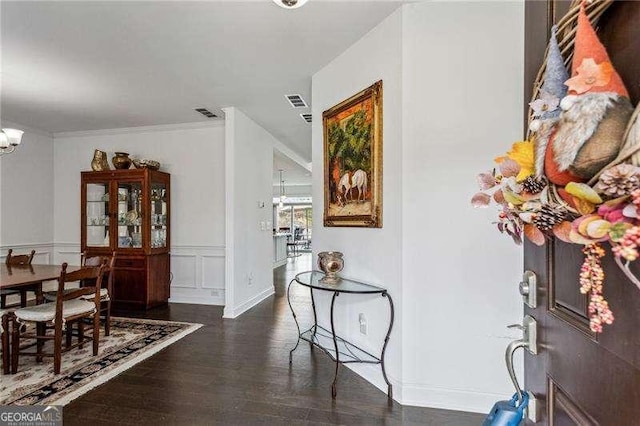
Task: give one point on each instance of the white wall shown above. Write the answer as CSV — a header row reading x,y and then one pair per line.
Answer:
x,y
26,195
194,155
452,76
371,255
249,241
462,106
293,190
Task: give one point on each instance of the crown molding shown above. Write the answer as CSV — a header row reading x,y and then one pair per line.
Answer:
x,y
142,129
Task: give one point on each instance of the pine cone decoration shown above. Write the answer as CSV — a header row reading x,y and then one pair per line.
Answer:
x,y
534,185
619,181
549,216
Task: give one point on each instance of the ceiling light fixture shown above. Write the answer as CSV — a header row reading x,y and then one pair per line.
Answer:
x,y
9,140
290,4
282,196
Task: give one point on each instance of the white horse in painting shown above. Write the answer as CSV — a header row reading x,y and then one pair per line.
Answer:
x,y
349,181
359,180
345,182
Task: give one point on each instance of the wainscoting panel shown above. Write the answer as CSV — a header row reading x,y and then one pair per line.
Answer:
x,y
67,252
198,275
45,254
183,268
213,271
198,271
44,251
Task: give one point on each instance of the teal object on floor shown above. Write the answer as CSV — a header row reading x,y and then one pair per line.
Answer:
x,y
507,413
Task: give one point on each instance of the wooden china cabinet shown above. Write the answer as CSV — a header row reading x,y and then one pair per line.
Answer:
x,y
128,211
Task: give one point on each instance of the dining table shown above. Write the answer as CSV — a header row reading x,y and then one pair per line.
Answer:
x,y
30,277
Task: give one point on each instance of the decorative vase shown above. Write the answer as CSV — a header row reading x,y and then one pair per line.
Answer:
x,y
99,162
121,160
330,262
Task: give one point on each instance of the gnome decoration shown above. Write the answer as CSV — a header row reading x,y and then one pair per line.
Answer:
x,y
577,177
595,112
546,109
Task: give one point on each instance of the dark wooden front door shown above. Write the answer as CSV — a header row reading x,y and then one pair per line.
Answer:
x,y
578,377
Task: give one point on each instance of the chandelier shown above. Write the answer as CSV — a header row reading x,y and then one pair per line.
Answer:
x,y
282,195
9,140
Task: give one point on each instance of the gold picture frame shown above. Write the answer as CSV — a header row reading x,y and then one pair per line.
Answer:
x,y
353,160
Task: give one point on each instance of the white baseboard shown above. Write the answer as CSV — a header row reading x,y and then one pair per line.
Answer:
x,y
280,263
214,301
231,313
373,374
449,399
413,394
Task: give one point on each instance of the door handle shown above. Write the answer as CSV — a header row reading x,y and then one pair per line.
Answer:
x,y
529,329
529,342
529,289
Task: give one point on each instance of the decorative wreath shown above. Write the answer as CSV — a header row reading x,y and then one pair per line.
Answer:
x,y
577,176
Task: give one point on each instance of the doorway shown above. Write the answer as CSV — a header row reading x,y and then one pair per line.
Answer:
x,y
292,209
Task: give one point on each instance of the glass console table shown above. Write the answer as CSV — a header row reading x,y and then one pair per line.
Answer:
x,y
339,350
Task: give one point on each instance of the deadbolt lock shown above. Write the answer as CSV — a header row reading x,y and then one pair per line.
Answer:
x,y
529,289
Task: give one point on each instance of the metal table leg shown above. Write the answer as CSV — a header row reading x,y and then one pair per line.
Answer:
x,y
294,318
315,317
384,348
334,391
351,356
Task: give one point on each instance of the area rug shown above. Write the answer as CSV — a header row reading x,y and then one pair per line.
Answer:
x,y
130,341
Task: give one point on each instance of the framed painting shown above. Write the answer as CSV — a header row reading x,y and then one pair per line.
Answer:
x,y
353,160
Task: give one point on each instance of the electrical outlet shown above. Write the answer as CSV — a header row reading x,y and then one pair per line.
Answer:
x,y
363,323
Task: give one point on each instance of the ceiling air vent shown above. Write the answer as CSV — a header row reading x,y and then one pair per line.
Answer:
x,y
206,112
296,101
306,117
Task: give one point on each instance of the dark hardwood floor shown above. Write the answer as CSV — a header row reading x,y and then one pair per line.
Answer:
x,y
237,372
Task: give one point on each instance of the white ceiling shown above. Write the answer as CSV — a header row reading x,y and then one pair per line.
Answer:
x,y
292,172
74,66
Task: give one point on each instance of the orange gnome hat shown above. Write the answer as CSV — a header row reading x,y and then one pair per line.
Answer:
x,y
591,68
596,110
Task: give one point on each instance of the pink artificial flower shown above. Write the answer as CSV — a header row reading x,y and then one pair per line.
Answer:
x,y
613,214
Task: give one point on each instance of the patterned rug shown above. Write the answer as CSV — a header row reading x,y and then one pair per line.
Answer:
x,y
130,341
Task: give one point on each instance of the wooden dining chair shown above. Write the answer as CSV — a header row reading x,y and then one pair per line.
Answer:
x,y
68,310
106,291
17,260
5,317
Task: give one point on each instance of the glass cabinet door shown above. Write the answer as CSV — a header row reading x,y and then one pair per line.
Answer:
x,y
97,215
129,215
158,199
